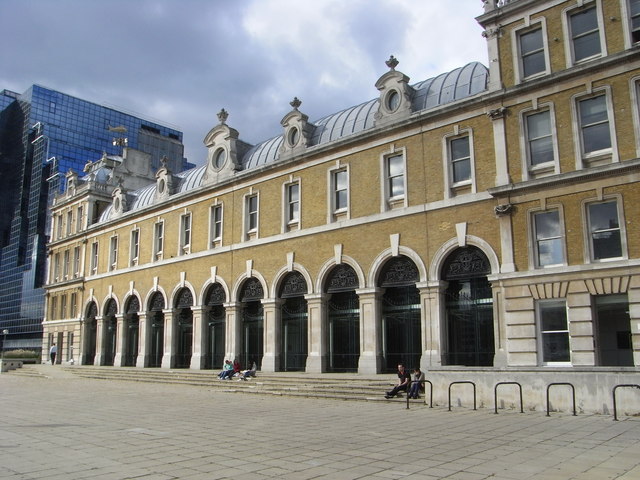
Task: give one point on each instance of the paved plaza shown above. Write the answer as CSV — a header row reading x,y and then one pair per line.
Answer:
x,y
58,426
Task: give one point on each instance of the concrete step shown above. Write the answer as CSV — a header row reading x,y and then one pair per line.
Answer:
x,y
299,384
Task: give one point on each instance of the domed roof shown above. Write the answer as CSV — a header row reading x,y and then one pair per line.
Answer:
x,y
448,87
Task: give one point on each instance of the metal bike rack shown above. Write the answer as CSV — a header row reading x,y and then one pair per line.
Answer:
x,y
474,393
615,410
495,394
573,390
430,394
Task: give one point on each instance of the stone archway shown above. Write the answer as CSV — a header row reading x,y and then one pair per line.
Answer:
x,y
184,328
400,314
155,321
91,334
132,330
468,331
343,319
251,322
216,319
294,323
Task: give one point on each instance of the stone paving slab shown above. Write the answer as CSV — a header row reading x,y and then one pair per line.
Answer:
x,y
58,426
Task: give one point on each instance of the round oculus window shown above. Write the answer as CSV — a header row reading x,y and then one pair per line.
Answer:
x,y
219,158
294,135
393,100
116,204
161,185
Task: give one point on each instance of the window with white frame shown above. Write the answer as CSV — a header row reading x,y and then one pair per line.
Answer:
x,y
595,128
79,219
251,215
539,139
533,61
292,204
58,227
76,262
215,221
553,330
633,8
158,240
63,306
548,238
395,176
460,159
73,305
185,234
93,264
56,267
134,247
584,33
605,235
113,252
339,191
69,222
65,264
54,308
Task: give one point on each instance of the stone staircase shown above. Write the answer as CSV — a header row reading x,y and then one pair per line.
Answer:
x,y
347,387
294,384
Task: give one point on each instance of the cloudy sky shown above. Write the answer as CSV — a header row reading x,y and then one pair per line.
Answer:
x,y
180,61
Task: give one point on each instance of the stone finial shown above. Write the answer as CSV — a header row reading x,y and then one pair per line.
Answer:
x,y
163,161
392,63
295,103
222,116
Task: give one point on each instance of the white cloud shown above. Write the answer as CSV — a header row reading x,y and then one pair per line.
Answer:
x,y
180,62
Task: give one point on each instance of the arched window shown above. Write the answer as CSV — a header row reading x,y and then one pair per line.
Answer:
x,y
294,328
343,307
216,322
184,325
252,322
468,328
401,329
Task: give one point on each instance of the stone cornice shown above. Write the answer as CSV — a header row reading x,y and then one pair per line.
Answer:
x,y
569,178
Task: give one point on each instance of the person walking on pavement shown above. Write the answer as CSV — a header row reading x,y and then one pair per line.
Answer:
x,y
52,353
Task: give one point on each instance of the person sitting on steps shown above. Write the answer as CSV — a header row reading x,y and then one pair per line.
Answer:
x,y
404,380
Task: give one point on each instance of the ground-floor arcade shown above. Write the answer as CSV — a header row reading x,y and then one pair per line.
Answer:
x,y
459,312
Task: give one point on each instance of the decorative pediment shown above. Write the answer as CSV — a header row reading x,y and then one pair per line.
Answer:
x,y
224,150
395,95
119,201
165,182
72,182
297,130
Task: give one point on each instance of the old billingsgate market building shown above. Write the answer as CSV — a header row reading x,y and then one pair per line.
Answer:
x,y
483,224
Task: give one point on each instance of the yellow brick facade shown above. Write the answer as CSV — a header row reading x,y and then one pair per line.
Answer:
x,y
538,292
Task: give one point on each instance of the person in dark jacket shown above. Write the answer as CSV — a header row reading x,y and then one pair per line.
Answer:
x,y
404,380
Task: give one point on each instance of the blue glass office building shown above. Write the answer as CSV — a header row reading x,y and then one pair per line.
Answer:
x,y
43,134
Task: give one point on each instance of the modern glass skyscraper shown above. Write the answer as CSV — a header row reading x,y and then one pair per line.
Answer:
x,y
43,134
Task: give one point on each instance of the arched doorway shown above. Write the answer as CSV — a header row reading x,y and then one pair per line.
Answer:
x,y
468,329
110,332
343,317
294,329
401,331
91,333
132,328
155,317
252,322
216,321
184,324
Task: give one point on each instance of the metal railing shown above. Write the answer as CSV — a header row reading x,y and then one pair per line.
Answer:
x,y
474,392
430,393
495,394
615,408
